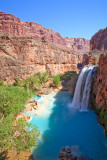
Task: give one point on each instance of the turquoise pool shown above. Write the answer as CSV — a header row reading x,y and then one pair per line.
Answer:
x,y
63,126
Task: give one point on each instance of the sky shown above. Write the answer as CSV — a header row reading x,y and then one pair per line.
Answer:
x,y
71,18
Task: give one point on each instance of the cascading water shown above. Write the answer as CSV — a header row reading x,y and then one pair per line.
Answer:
x,y
83,87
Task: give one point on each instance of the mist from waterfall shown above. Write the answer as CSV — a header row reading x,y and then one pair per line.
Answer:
x,y
83,88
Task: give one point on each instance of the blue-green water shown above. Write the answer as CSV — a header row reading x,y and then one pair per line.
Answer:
x,y
36,98
64,126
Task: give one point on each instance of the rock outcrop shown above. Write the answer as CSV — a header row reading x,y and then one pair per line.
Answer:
x,y
99,40
88,60
98,43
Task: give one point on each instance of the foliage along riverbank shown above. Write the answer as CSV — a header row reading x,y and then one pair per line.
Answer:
x,y
18,135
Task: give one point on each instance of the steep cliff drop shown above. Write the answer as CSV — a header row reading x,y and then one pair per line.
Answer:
x,y
83,87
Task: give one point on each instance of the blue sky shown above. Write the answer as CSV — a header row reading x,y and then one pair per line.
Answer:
x,y
71,18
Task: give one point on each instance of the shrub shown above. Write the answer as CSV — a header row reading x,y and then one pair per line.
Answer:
x,y
17,82
1,83
56,81
43,77
67,75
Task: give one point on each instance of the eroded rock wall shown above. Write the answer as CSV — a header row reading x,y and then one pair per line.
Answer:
x,y
21,57
14,26
99,91
101,82
98,47
99,40
27,48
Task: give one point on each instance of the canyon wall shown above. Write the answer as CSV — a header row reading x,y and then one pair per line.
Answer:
x,y
98,50
99,88
99,40
98,43
21,57
14,26
100,82
99,91
27,48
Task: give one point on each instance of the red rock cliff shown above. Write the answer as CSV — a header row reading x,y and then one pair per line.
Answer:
x,y
99,40
99,91
101,82
98,45
21,57
27,48
12,25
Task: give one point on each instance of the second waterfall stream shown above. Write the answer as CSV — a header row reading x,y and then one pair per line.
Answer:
x,y
83,88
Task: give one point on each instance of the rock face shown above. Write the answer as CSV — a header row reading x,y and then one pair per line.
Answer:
x,y
98,45
27,48
88,60
99,91
101,95
12,25
21,57
99,40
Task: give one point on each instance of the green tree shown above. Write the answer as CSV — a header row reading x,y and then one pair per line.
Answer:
x,y
56,80
1,83
17,135
17,82
67,75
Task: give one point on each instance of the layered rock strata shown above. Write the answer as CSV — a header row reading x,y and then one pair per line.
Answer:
x,y
21,57
27,48
14,26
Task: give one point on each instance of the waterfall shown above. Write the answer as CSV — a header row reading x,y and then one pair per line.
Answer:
x,y
83,87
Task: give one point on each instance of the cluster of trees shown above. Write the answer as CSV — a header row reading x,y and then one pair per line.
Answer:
x,y
18,134
36,82
33,83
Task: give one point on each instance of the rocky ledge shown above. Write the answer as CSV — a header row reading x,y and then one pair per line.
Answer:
x,y
66,154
